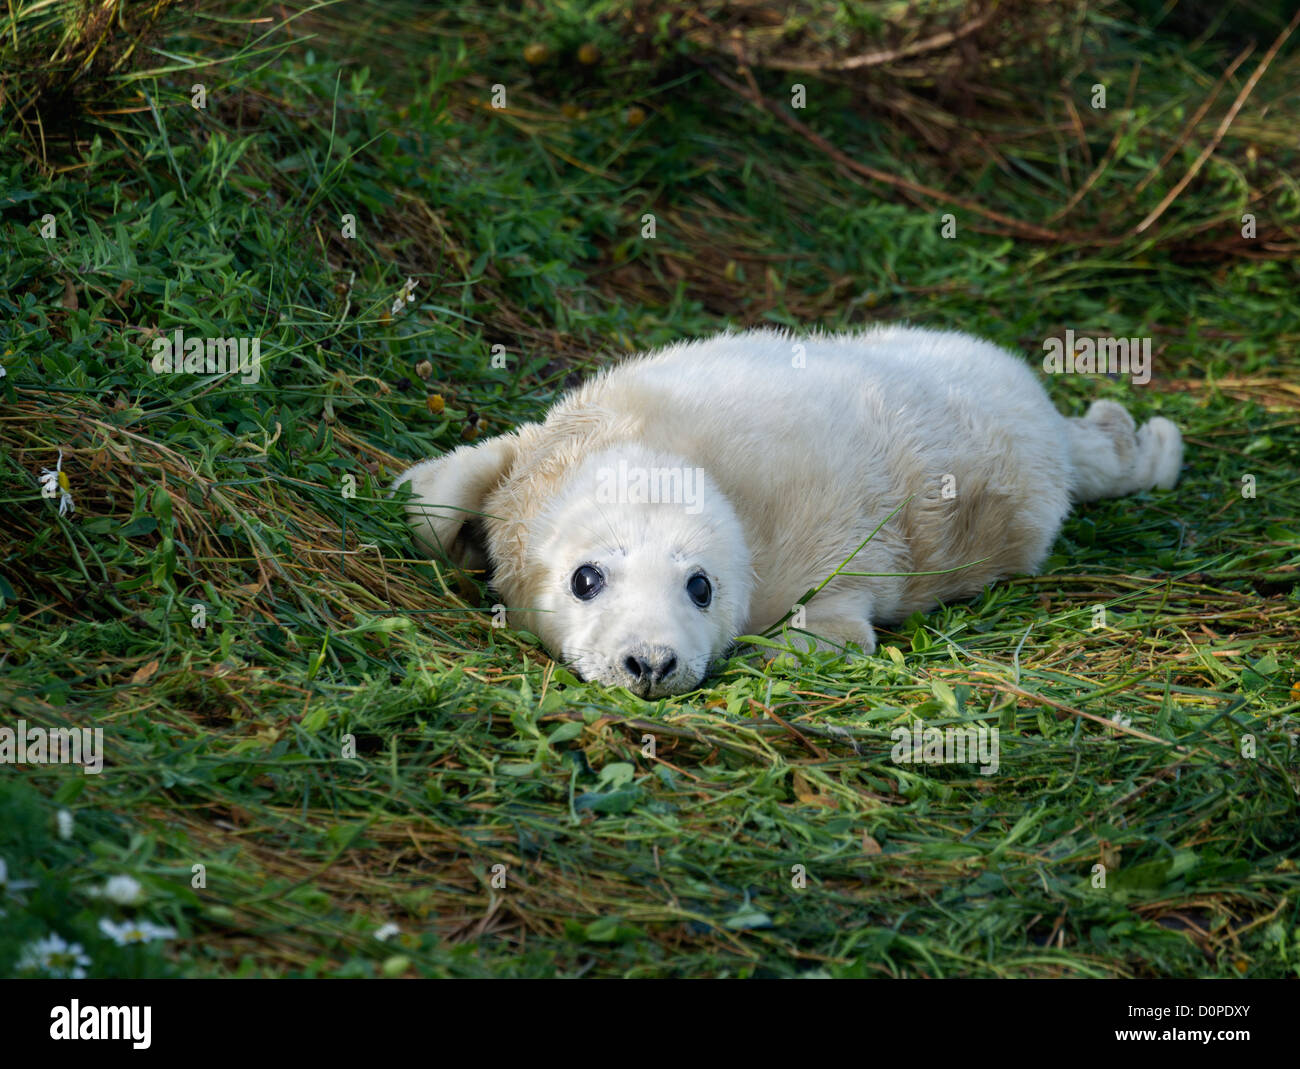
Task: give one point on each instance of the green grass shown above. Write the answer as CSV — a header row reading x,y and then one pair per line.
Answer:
x,y
348,741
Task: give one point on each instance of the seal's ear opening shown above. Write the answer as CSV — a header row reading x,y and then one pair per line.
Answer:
x,y
447,498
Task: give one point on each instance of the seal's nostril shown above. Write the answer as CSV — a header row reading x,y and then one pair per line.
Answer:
x,y
651,665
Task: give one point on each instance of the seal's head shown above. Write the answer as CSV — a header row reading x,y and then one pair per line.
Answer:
x,y
631,565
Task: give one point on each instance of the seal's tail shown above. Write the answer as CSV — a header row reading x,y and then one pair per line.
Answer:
x,y
1112,456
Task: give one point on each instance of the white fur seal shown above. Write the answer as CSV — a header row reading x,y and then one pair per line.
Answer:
x,y
685,497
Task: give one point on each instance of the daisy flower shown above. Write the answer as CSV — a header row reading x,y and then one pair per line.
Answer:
x,y
124,890
55,957
135,931
55,484
405,296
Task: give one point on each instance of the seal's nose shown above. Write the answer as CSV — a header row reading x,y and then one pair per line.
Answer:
x,y
649,665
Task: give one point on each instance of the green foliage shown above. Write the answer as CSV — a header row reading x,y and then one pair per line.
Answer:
x,y
295,700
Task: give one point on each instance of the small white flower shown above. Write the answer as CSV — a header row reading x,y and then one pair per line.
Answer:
x,y
55,957
124,890
405,296
387,931
55,484
135,931
65,823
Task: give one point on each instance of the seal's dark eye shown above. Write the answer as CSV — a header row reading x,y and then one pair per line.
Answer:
x,y
697,586
587,582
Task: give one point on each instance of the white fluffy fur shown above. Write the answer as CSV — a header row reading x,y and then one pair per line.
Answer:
x,y
803,463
